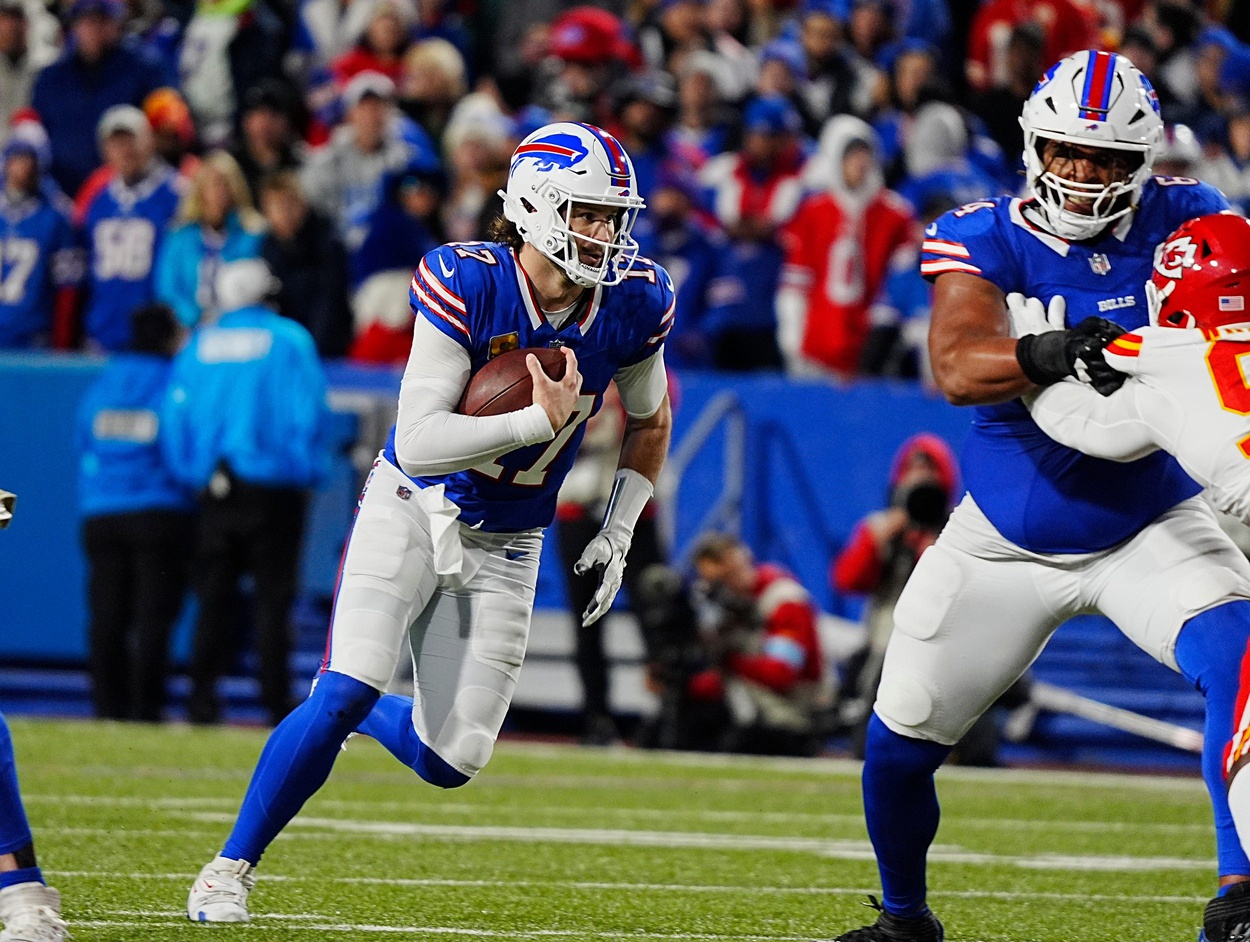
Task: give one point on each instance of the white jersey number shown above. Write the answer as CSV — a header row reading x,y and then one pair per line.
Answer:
x,y
123,249
844,275
536,474
17,260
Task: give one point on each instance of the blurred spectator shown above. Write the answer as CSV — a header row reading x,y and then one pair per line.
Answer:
x,y
124,225
524,32
1000,106
243,428
701,130
674,28
96,72
870,27
382,46
726,26
836,81
405,224
582,502
911,80
138,523
1066,26
1204,111
382,319
759,627
433,80
753,192
646,104
438,19
1179,154
936,158
216,224
588,50
839,248
1140,48
1230,171
328,29
478,145
1174,26
688,248
17,71
269,141
307,257
40,264
228,47
341,177
881,554
898,344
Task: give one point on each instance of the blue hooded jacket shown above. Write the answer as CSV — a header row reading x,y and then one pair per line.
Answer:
x,y
248,390
187,263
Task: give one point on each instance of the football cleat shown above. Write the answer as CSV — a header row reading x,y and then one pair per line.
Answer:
x,y
219,893
891,928
31,912
1227,917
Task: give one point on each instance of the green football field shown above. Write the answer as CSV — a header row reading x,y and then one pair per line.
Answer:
x,y
565,843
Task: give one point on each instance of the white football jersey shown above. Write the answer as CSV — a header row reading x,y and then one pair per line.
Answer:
x,y
1189,394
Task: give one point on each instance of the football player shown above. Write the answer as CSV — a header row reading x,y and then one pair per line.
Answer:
x,y
444,550
1046,532
29,909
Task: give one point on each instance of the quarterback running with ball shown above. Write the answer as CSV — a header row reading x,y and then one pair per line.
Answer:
x,y
1046,532
444,551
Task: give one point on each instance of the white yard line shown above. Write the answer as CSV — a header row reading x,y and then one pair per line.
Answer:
x,y
649,887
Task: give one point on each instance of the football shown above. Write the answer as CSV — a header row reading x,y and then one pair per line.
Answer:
x,y
504,384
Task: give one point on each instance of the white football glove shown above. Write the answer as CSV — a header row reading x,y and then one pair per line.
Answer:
x,y
8,500
605,553
1029,316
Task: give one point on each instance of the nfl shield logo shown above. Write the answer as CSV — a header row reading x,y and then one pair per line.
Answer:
x,y
1099,263
403,493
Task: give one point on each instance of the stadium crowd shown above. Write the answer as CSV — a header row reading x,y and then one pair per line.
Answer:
x,y
789,150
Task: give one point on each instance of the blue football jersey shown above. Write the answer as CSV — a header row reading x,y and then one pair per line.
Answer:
x,y
1037,493
124,227
37,256
477,294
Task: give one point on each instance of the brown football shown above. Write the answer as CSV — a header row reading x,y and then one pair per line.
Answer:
x,y
504,384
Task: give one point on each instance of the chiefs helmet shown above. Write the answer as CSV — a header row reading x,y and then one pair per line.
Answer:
x,y
1201,274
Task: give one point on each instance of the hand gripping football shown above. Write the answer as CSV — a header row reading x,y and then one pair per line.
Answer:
x,y
504,384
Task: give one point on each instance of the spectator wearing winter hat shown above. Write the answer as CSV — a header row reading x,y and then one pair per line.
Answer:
x,y
835,80
753,192
381,46
307,257
96,71
269,141
911,68
587,52
936,159
434,78
34,220
646,104
478,144
341,177
124,226
228,47
701,129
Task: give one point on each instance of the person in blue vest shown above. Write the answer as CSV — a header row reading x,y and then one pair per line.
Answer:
x,y
39,261
97,71
29,908
123,227
243,426
218,224
138,523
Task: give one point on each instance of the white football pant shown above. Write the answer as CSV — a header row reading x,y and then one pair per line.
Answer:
x,y
462,597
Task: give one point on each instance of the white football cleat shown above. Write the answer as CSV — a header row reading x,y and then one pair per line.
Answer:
x,y
31,912
219,893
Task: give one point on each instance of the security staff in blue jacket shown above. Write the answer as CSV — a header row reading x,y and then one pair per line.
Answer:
x,y
244,427
138,523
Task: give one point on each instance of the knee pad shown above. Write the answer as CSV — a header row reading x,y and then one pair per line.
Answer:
x,y
467,737
345,699
431,767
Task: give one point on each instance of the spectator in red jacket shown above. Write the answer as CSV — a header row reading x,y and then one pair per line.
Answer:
x,y
759,626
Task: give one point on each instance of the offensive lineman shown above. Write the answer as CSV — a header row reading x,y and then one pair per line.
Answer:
x,y
444,550
1046,532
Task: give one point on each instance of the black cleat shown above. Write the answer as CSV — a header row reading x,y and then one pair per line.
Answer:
x,y
1227,917
891,928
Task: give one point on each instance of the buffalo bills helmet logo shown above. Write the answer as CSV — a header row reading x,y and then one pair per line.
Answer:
x,y
1046,77
553,152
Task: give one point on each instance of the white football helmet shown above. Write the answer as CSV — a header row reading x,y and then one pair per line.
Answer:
x,y
1094,99
562,164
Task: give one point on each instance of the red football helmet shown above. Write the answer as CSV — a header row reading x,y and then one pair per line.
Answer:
x,y
1201,274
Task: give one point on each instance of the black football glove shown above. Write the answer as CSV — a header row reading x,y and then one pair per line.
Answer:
x,y
1047,358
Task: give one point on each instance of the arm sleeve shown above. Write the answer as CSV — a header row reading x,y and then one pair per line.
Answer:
x,y
430,437
1108,427
643,386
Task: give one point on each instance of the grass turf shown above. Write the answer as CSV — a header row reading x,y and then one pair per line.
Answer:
x,y
566,843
